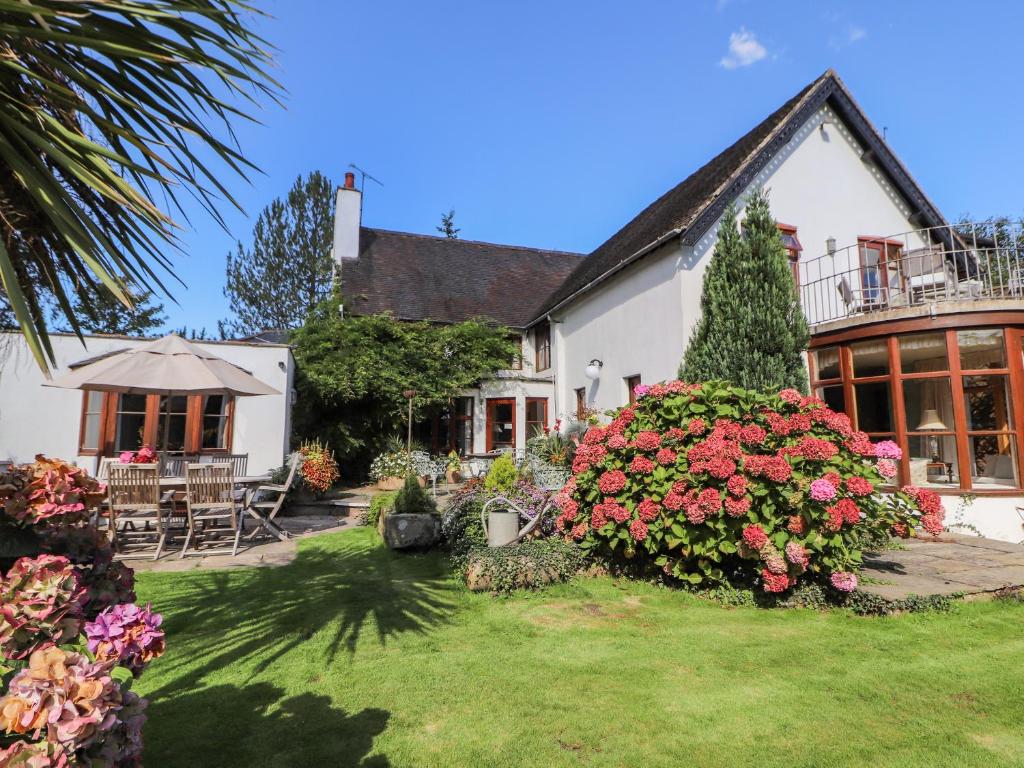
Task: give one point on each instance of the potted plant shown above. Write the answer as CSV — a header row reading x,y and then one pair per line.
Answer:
x,y
388,470
454,472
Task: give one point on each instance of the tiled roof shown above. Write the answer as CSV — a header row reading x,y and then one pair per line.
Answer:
x,y
420,277
692,206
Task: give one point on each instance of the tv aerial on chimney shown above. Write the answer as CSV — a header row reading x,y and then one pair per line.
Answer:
x,y
362,185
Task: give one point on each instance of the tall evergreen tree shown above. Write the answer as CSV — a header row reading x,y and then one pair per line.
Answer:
x,y
289,269
752,330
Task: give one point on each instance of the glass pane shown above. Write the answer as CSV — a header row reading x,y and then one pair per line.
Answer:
x,y
214,405
174,426
993,461
463,437
874,407
981,348
987,403
834,397
870,358
94,402
535,411
464,406
929,405
502,424
923,352
826,363
130,428
132,403
91,432
932,460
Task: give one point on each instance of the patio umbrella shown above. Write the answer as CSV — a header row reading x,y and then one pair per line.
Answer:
x,y
166,366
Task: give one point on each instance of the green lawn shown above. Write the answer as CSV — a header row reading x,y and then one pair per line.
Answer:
x,y
356,656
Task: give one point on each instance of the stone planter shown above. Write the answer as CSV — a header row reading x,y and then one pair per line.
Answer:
x,y
411,531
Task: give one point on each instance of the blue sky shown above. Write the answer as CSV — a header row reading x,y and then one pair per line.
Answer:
x,y
551,124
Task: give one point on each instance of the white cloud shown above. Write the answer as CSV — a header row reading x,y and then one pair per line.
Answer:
x,y
855,33
744,50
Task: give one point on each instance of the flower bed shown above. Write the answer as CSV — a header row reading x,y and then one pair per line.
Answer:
x,y
709,483
71,638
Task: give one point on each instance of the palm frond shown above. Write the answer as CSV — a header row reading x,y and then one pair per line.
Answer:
x,y
109,105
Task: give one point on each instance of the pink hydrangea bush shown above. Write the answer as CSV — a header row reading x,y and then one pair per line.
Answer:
x,y
41,601
127,635
48,490
769,489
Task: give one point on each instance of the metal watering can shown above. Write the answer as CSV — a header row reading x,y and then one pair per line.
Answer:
x,y
501,526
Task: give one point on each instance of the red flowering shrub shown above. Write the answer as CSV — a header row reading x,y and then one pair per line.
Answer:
x,y
710,482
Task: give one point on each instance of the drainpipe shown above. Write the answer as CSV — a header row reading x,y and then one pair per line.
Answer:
x,y
554,366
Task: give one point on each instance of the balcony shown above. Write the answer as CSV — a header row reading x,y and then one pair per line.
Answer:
x,y
927,271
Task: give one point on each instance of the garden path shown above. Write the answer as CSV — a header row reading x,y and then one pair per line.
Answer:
x,y
952,563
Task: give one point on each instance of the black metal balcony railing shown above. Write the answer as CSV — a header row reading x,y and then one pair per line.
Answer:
x,y
963,262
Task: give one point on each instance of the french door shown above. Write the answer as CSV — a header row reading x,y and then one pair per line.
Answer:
x,y
501,423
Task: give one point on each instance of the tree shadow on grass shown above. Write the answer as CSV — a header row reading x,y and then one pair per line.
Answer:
x,y
256,725
338,589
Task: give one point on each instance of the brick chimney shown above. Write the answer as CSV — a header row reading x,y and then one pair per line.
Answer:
x,y
347,214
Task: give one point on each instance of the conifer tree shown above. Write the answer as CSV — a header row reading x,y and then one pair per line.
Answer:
x,y
752,330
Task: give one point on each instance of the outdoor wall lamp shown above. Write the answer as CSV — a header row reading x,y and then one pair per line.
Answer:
x,y
830,246
593,369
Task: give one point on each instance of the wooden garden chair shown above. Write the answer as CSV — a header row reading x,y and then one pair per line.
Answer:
x,y
266,501
239,461
136,507
209,501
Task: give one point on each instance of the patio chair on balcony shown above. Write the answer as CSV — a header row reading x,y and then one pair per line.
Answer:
x,y
926,272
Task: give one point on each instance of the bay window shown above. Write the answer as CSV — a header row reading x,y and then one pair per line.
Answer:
x,y
946,397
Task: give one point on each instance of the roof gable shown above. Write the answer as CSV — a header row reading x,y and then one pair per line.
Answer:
x,y
690,208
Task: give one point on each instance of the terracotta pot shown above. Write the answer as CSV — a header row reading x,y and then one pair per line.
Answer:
x,y
453,476
392,483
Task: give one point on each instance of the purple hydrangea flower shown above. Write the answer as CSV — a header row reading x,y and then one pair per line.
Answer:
x,y
822,490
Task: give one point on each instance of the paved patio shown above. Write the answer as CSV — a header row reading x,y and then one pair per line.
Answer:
x,y
264,552
952,563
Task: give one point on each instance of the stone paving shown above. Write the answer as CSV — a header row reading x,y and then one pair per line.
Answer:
x,y
952,563
263,552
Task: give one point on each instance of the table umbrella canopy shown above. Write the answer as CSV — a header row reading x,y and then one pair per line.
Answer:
x,y
165,366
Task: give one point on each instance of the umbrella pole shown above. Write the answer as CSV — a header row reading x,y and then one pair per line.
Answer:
x,y
167,421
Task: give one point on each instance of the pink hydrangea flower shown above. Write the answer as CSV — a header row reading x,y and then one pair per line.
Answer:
x,y
887,468
822,490
126,634
844,581
638,530
887,449
616,442
640,390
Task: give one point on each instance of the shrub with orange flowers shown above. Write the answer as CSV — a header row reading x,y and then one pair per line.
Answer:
x,y
708,483
319,468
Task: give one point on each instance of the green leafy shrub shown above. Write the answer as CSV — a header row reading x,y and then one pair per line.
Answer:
x,y
529,564
380,504
708,483
413,500
502,475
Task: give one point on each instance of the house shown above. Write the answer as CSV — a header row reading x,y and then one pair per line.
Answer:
x,y
83,426
917,325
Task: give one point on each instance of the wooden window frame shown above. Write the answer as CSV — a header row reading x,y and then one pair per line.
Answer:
x,y
492,401
542,347
581,402
792,254
1013,341
544,417
193,425
631,383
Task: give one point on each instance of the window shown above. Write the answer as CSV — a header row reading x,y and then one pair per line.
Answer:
x,y
92,422
536,416
632,382
946,397
501,423
879,270
581,403
193,424
215,422
516,363
172,419
793,248
130,429
542,346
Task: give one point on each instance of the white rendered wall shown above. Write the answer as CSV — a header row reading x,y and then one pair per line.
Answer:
x,y
639,321
994,517
633,324
37,419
